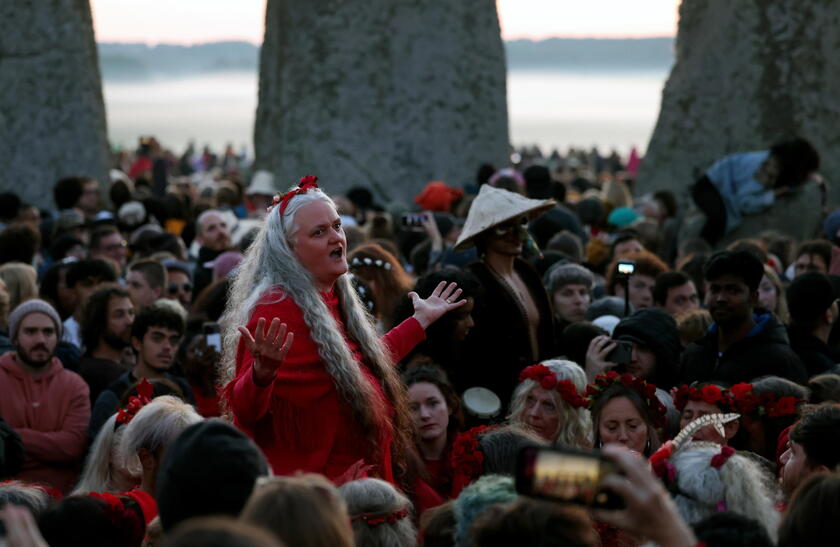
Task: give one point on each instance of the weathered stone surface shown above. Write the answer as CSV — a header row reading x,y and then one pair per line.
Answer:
x,y
388,94
748,74
52,117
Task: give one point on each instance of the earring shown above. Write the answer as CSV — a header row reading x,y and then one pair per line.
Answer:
x,y
647,446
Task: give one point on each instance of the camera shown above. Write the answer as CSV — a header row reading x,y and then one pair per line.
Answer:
x,y
625,268
413,220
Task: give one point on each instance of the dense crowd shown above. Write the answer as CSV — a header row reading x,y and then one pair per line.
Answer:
x,y
195,354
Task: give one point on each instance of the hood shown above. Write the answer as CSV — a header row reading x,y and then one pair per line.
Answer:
x,y
767,330
657,330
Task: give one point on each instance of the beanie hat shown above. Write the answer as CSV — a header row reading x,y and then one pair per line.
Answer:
x,y
808,296
32,306
622,217
437,196
210,469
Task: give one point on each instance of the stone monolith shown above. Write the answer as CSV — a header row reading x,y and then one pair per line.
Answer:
x,y
52,116
748,74
386,94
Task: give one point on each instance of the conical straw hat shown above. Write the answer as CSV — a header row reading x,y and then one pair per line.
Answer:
x,y
495,206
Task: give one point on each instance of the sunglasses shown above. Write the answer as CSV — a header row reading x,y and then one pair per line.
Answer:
x,y
174,287
510,226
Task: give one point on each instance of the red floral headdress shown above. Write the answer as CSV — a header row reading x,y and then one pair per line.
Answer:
x,y
145,393
466,458
306,183
121,516
739,398
646,390
373,519
543,376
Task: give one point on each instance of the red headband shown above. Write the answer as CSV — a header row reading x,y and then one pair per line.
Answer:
x,y
646,390
543,375
376,520
145,393
306,183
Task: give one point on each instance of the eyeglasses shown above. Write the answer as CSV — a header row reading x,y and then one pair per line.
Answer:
x,y
510,226
174,287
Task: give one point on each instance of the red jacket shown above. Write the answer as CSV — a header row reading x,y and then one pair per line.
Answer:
x,y
51,415
299,421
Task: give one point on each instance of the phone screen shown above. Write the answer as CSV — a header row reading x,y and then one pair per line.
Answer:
x,y
212,336
570,476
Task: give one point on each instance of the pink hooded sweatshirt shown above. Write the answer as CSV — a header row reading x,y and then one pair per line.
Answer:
x,y
51,415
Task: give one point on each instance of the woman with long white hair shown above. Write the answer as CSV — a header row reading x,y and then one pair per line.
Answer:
x,y
306,373
549,400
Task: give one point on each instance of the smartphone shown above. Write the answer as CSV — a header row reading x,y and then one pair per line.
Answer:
x,y
626,268
622,353
213,336
412,220
566,475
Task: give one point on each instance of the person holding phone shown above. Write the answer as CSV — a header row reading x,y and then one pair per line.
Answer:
x,y
305,372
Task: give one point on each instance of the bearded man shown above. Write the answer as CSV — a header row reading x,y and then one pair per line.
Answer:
x,y
106,333
48,406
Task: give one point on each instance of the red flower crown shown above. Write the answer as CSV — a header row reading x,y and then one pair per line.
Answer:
x,y
306,183
646,390
739,398
466,458
145,394
377,519
543,376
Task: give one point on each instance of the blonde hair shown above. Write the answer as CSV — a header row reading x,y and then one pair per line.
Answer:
x,y
156,426
378,498
270,263
305,510
104,462
617,194
575,425
781,310
693,324
21,282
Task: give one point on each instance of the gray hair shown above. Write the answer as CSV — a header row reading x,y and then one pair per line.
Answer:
x,y
740,484
575,426
33,497
156,426
560,275
105,462
270,263
376,497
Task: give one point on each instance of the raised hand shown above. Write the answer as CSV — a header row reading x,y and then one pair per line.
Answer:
x,y
269,348
596,357
442,300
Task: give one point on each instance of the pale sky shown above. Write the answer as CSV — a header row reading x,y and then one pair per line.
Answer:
x,y
196,21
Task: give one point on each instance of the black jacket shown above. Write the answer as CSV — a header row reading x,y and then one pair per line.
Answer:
x,y
203,276
816,355
499,345
764,351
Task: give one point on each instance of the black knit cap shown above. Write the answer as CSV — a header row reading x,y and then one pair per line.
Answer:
x,y
210,469
809,296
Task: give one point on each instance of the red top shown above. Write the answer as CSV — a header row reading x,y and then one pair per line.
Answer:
x,y
299,420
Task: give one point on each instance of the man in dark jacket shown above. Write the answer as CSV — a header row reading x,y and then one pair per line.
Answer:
x,y
813,312
656,346
740,345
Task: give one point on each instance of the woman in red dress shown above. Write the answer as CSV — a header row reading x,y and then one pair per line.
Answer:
x,y
307,376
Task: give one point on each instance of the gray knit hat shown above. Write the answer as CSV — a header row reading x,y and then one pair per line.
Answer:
x,y
32,306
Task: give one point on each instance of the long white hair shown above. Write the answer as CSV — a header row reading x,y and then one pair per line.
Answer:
x,y
270,263
106,469
740,486
575,426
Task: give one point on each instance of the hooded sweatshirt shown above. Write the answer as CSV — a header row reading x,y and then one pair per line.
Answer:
x,y
50,413
764,351
658,331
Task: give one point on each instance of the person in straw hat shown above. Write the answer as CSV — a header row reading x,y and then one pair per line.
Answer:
x,y
514,327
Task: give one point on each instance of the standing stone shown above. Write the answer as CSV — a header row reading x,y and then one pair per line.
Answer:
x,y
748,74
386,94
52,117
